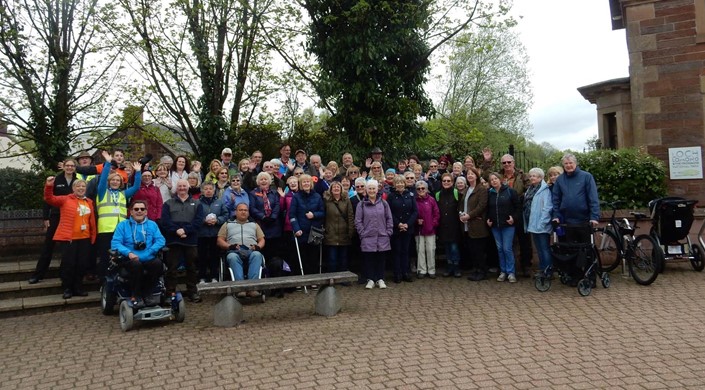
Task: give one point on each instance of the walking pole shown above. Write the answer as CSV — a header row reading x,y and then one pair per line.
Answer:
x,y
301,266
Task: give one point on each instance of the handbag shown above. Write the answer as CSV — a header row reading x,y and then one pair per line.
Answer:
x,y
316,235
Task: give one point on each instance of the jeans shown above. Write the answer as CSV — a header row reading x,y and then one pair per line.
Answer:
x,y
543,248
254,265
337,258
452,256
503,237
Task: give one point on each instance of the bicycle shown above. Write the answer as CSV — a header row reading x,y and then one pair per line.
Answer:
x,y
618,245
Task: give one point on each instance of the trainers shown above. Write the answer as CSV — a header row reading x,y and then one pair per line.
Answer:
x,y
502,277
253,294
203,281
512,278
241,294
214,280
369,284
381,284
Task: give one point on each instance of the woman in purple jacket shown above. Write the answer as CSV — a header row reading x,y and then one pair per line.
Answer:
x,y
374,225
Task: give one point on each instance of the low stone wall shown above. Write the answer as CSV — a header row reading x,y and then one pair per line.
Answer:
x,y
21,231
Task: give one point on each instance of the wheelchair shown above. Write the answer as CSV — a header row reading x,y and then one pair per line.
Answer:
x,y
116,290
227,274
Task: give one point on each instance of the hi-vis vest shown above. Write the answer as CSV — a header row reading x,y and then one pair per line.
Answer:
x,y
87,178
111,211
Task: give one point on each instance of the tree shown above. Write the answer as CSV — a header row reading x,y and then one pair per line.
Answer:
x,y
56,73
372,67
204,63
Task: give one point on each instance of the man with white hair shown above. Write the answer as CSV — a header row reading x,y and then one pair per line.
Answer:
x,y
575,199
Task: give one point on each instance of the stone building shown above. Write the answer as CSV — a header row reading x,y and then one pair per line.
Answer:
x,y
660,106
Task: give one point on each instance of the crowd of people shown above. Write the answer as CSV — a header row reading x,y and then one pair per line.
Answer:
x,y
374,214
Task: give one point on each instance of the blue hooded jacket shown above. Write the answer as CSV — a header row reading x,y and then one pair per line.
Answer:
x,y
575,199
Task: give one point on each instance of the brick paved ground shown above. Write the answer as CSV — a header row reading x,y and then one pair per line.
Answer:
x,y
443,333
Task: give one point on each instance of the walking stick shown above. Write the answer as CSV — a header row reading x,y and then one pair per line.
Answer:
x,y
301,266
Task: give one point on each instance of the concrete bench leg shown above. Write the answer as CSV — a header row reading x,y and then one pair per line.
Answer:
x,y
228,312
327,301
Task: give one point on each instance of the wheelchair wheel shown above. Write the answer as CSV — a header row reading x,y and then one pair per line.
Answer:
x,y
564,279
606,280
127,319
697,258
584,287
108,299
181,315
645,260
542,283
608,252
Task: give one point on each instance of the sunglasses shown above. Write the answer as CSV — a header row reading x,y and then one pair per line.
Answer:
x,y
298,173
362,186
507,162
138,209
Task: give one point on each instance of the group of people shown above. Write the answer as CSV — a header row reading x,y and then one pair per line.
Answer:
x,y
370,214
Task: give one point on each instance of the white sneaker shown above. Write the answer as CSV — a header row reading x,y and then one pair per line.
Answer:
x,y
214,280
381,284
203,281
369,284
512,278
502,277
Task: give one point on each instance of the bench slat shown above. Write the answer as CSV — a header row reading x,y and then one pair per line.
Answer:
x,y
330,278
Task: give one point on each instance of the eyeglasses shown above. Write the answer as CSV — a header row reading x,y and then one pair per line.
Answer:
x,y
69,166
433,166
138,209
235,180
447,181
223,173
362,186
298,173
507,162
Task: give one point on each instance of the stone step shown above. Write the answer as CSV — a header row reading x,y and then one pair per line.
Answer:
x,y
18,270
46,303
51,286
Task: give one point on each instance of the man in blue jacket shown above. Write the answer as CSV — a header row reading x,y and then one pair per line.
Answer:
x,y
575,199
138,240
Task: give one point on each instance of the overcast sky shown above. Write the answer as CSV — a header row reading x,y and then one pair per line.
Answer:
x,y
570,44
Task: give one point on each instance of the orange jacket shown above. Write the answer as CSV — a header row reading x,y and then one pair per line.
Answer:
x,y
68,204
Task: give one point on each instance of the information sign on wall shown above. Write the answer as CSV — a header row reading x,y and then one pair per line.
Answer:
x,y
686,163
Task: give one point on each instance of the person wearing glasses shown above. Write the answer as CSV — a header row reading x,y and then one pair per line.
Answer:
x,y
151,193
433,177
376,172
518,181
427,222
376,157
235,195
449,228
138,240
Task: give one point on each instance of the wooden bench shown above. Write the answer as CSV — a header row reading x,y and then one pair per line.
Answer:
x,y
228,312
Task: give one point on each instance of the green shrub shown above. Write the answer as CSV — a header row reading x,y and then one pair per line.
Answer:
x,y
625,174
21,190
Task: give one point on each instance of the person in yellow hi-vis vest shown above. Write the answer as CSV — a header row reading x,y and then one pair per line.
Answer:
x,y
111,206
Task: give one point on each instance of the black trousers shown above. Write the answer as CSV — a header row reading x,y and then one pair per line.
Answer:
x,y
477,249
102,245
47,249
190,254
143,274
73,263
208,258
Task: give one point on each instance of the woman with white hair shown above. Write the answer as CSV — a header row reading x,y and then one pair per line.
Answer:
x,y
537,215
264,209
374,225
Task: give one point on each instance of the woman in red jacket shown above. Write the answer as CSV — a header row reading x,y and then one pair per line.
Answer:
x,y
76,231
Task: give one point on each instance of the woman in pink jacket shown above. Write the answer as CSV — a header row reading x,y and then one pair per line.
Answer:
x,y
428,219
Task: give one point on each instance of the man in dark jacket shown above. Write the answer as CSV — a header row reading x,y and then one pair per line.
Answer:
x,y
181,218
575,199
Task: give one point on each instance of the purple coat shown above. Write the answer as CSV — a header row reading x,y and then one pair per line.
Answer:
x,y
374,225
428,211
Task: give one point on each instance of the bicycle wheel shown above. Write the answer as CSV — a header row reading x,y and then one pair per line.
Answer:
x,y
644,259
610,256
